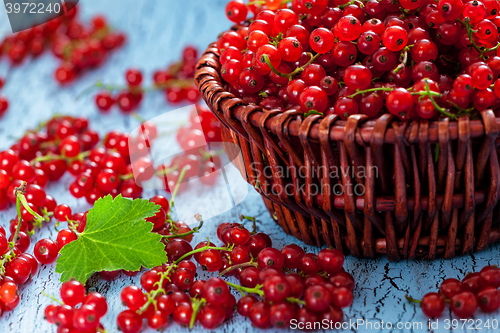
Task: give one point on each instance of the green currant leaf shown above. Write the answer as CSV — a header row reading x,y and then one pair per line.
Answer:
x,y
116,237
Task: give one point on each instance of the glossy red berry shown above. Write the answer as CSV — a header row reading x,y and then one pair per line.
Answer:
x,y
317,298
464,304
236,11
313,98
72,292
46,251
321,40
488,299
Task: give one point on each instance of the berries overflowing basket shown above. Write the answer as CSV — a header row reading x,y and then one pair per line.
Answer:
x,y
368,126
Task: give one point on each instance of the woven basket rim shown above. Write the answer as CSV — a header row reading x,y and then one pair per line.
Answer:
x,y
337,131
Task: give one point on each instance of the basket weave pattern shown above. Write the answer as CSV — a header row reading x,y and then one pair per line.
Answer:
x,y
430,188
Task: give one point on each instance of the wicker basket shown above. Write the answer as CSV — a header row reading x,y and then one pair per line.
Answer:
x,y
429,189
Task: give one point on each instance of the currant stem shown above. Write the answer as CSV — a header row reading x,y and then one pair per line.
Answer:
x,y
482,51
196,304
20,192
53,157
152,295
192,231
359,92
52,298
176,189
431,98
298,70
412,300
311,112
201,249
254,224
246,264
257,290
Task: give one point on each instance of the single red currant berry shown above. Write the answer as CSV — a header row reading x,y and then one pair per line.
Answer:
x,y
321,40
8,292
98,302
317,298
215,291
133,77
62,213
70,146
270,257
72,292
129,321
46,251
399,102
65,237
276,289
290,49
260,315
357,77
348,28
313,98
236,11
211,316
292,255
104,101
488,299
85,318
342,297
482,77
330,260
133,297
463,304
395,38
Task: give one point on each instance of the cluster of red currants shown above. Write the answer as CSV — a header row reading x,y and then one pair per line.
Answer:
x,y
4,103
34,41
176,81
61,144
418,59
198,160
16,268
79,47
46,250
128,99
320,285
479,289
77,312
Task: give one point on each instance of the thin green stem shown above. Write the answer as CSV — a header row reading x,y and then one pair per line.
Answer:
x,y
431,98
254,222
412,300
201,249
52,298
257,290
196,304
176,189
295,300
298,70
481,50
246,264
359,92
192,231
53,157
152,295
20,192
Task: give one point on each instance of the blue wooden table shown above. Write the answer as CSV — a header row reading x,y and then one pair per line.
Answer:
x,y
157,32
